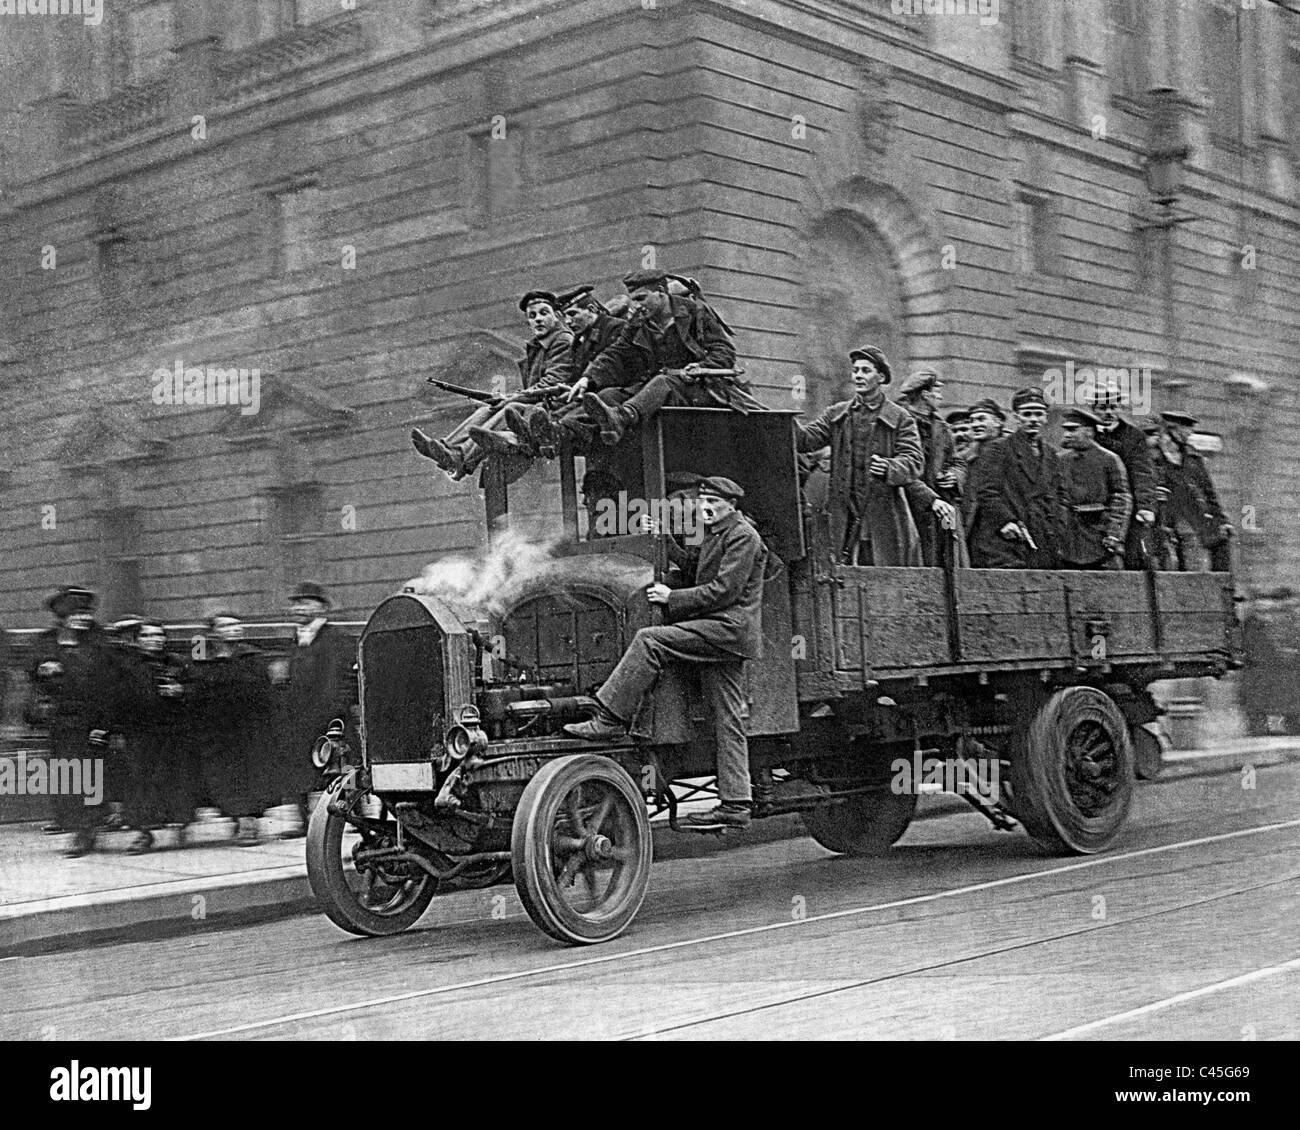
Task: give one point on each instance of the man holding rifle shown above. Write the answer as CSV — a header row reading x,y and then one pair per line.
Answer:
x,y
673,351
547,366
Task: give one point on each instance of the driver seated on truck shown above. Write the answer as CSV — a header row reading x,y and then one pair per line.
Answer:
x,y
716,622
875,455
547,363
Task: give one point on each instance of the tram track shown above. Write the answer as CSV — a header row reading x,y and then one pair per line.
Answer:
x,y
269,1025
951,963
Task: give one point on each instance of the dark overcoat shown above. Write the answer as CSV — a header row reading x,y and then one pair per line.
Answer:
x,y
72,703
321,688
886,528
594,340
725,604
694,335
1130,444
1193,498
940,456
234,723
158,733
548,360
1100,505
1012,484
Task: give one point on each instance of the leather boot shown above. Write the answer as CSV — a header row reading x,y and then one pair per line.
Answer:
x,y
612,420
448,458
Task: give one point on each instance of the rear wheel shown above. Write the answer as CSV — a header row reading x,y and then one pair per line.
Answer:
x,y
868,824
581,849
1072,777
358,893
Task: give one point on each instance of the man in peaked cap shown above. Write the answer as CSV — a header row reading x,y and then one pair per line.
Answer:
x,y
716,623
1099,500
1021,502
664,332
1117,435
594,330
547,363
875,453
958,421
1192,512
985,426
320,688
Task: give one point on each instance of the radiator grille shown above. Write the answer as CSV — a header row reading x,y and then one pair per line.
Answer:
x,y
402,693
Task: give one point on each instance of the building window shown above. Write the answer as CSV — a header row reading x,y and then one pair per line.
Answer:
x,y
292,241
1221,55
151,35
1029,38
119,542
1127,63
1037,245
494,176
296,517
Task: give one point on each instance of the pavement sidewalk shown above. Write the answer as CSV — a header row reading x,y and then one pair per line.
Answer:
x,y
49,902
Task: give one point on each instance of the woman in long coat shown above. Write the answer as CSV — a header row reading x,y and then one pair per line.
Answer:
x,y
870,520
154,703
236,717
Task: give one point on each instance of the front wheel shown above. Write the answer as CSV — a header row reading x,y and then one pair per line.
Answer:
x,y
581,849
868,824
1072,777
358,889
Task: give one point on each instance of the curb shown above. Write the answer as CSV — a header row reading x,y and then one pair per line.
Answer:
x,y
220,902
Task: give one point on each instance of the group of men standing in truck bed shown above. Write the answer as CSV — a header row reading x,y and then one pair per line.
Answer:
x,y
907,486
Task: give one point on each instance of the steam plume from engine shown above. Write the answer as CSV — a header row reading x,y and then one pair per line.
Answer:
x,y
485,584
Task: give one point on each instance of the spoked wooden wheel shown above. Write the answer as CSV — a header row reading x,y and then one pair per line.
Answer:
x,y
358,889
868,824
1072,777
581,849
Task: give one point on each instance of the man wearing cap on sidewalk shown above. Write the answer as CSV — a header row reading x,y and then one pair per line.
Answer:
x,y
321,687
72,677
1020,495
1193,512
1099,498
547,363
716,622
1117,435
875,453
664,332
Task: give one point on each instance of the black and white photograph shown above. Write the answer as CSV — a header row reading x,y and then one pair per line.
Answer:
x,y
596,521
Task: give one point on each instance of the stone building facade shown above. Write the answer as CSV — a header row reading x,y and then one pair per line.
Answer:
x,y
346,198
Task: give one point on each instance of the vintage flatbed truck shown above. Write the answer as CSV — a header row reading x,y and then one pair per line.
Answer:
x,y
1029,688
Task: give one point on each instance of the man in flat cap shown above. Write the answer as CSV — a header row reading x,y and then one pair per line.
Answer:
x,y
958,421
875,454
72,676
1020,495
664,332
984,426
1192,510
1099,500
935,495
320,688
594,330
715,622
547,363
1117,435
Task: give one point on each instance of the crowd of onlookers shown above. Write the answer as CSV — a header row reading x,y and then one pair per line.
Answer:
x,y
219,723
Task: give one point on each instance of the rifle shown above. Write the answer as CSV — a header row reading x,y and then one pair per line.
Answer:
x,y
703,373
527,395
